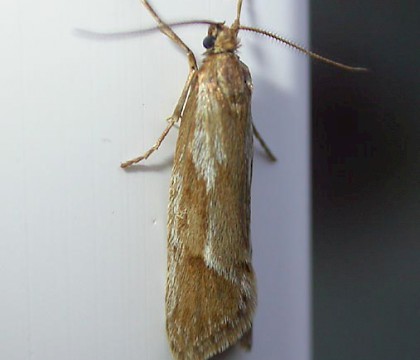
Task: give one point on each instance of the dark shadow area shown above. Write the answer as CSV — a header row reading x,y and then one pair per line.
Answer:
x,y
366,177
228,354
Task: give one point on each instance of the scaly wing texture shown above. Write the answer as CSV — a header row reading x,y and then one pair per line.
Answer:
x,y
211,295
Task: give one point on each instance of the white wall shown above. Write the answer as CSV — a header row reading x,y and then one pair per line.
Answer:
x,y
82,242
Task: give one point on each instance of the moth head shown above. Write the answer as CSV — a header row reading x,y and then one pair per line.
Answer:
x,y
221,38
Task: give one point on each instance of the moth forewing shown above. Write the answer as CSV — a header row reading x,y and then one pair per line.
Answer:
x,y
211,293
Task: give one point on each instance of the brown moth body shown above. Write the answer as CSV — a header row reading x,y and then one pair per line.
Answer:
x,y
210,291
211,295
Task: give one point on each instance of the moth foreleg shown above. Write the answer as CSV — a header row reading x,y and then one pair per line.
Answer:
x,y
165,29
171,122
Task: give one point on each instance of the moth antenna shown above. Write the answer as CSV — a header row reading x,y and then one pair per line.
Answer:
x,y
302,49
137,32
238,11
236,23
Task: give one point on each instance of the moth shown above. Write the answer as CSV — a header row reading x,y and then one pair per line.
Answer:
x,y
211,292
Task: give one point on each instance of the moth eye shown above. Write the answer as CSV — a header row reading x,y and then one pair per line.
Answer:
x,y
208,41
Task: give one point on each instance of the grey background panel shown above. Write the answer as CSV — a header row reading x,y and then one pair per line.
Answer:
x,y
366,203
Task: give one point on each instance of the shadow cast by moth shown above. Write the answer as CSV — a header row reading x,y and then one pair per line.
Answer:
x,y
211,293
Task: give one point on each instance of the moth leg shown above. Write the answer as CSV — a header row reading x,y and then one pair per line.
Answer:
x,y
263,144
165,29
171,122
176,126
